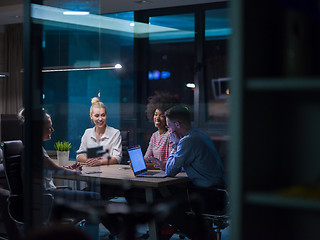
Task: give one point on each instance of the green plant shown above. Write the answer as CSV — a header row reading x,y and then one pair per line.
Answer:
x,y
62,146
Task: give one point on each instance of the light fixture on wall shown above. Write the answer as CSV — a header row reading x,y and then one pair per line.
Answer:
x,y
4,74
81,68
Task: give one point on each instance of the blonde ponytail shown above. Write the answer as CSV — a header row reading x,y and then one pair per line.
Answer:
x,y
96,103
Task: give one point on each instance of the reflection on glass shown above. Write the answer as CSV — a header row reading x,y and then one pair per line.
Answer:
x,y
217,31
166,50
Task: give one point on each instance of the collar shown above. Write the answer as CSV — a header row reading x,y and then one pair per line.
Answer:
x,y
103,137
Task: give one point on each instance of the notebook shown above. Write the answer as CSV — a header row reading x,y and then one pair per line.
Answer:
x,y
139,166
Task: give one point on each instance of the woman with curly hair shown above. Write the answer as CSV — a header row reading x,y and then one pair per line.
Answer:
x,y
160,144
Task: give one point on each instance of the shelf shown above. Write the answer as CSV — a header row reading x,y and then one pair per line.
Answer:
x,y
274,200
283,84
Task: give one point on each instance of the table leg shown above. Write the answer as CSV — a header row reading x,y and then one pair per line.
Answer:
x,y
164,191
152,223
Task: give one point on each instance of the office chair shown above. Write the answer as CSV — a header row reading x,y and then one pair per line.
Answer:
x,y
12,156
3,180
217,219
10,127
125,145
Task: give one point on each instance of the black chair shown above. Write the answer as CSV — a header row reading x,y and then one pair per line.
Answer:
x,y
125,146
3,181
10,127
12,156
217,220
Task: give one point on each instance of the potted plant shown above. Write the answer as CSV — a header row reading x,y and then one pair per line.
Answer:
x,y
63,150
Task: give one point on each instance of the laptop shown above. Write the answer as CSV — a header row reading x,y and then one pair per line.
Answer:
x,y
139,166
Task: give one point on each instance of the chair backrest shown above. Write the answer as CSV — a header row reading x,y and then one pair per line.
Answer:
x,y
11,127
1,155
125,146
12,153
12,162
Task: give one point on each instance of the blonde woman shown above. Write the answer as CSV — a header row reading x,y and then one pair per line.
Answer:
x,y
100,135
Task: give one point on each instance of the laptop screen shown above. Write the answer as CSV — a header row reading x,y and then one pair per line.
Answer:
x,y
137,161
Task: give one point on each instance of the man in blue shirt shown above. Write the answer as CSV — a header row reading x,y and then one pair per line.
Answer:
x,y
194,152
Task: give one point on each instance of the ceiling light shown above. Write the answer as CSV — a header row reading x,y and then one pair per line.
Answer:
x,y
53,15
143,1
77,13
190,85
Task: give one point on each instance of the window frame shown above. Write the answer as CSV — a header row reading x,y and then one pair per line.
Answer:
x,y
140,78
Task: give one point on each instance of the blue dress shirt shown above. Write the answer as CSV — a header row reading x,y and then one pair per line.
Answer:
x,y
197,155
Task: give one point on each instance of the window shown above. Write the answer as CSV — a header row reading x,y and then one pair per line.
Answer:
x,y
217,31
175,60
171,57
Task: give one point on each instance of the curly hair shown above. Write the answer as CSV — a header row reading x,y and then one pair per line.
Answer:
x,y
162,101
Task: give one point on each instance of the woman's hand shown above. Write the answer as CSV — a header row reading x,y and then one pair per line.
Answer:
x,y
77,171
91,162
75,166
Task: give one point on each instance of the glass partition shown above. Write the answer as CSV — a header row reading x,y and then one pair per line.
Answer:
x,y
217,33
91,53
76,53
171,57
78,56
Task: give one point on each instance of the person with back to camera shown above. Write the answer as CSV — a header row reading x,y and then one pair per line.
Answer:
x,y
160,143
194,152
87,198
48,163
100,135
50,167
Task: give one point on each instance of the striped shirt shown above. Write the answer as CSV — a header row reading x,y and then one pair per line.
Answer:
x,y
159,147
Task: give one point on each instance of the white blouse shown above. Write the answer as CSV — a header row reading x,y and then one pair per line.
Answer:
x,y
110,140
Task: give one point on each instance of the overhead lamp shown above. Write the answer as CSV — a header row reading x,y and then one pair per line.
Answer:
x,y
80,68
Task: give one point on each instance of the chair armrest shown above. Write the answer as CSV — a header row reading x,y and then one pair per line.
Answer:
x,y
15,207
